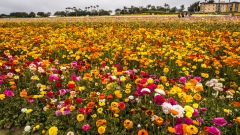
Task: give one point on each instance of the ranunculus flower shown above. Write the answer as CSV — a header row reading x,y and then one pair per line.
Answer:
x,y
182,80
78,100
213,130
27,128
8,93
49,94
219,121
86,127
179,129
158,99
121,105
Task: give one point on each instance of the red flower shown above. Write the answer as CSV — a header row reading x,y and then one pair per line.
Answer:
x,y
49,94
121,105
67,102
79,100
158,99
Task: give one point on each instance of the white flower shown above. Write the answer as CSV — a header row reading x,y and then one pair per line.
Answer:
x,y
179,109
113,77
218,85
23,110
166,107
154,117
70,133
101,100
53,100
106,67
218,88
131,97
146,90
160,91
27,128
138,125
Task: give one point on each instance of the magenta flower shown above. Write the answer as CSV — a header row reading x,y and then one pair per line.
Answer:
x,y
182,80
219,121
75,78
158,99
213,131
74,64
86,127
8,93
53,77
195,113
179,129
203,109
199,79
188,121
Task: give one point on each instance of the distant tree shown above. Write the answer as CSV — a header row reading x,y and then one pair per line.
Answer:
x,y
97,9
194,7
117,11
32,14
148,6
182,7
18,14
41,14
173,10
211,1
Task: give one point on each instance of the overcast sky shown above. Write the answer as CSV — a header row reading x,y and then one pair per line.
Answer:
x,y
8,6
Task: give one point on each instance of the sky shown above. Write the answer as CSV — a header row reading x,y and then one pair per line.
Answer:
x,y
8,6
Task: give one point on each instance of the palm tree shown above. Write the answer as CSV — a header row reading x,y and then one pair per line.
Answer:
x,y
86,8
97,9
148,6
75,10
91,8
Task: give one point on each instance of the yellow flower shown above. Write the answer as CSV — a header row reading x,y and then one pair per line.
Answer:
x,y
188,114
195,105
150,81
165,70
100,110
101,129
197,96
94,116
2,96
53,130
237,120
128,91
128,86
128,124
101,103
191,130
28,111
80,117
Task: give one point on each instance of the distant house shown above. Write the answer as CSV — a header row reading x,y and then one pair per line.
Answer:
x,y
222,6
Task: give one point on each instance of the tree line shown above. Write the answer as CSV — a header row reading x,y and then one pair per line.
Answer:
x,y
95,11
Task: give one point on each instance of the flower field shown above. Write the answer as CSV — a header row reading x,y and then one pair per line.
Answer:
x,y
120,75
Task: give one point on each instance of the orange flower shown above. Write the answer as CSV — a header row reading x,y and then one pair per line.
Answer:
x,y
149,112
142,132
91,105
197,96
236,103
205,128
174,112
109,96
159,121
195,122
101,122
171,130
23,93
101,96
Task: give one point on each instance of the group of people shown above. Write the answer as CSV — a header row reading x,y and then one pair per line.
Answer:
x,y
184,14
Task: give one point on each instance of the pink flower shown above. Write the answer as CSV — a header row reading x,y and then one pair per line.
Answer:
x,y
74,64
143,81
213,131
75,78
182,80
179,129
53,77
79,100
195,113
86,127
158,99
219,121
199,79
203,109
8,93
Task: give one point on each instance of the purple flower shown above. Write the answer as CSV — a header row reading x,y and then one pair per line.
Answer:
x,y
213,131
53,77
8,93
196,112
188,121
200,120
66,110
74,64
203,109
219,121
86,127
58,112
158,99
178,120
182,80
199,79
179,129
